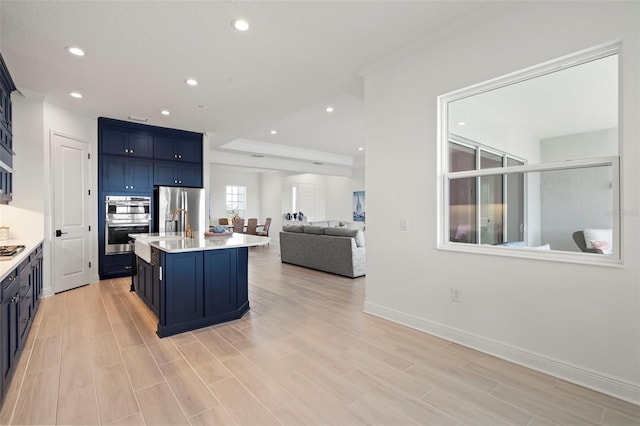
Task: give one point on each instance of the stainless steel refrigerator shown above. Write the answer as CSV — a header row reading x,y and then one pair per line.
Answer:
x,y
170,204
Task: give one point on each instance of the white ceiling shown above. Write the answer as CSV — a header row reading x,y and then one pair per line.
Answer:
x,y
297,58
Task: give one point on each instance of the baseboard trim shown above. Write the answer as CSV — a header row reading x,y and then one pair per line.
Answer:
x,y
599,382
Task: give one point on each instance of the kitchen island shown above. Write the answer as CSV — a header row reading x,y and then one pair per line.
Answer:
x,y
190,283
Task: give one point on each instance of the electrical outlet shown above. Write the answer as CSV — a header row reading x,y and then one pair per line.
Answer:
x,y
456,295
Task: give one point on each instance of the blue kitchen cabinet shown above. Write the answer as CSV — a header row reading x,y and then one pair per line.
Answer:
x,y
178,148
25,283
10,337
172,173
6,138
126,175
115,265
220,289
183,289
125,142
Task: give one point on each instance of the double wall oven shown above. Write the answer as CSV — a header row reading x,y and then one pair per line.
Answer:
x,y
125,215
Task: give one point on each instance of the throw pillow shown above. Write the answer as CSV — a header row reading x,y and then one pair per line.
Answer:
x,y
545,247
603,246
597,235
360,238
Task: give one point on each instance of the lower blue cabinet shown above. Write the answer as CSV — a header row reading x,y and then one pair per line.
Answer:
x,y
220,288
183,287
197,289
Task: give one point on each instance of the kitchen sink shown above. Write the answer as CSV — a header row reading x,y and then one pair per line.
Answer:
x,y
143,249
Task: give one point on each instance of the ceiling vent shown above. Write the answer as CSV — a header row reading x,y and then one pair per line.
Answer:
x,y
140,119
257,155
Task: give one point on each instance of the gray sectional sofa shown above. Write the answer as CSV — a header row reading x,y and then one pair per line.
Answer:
x,y
336,249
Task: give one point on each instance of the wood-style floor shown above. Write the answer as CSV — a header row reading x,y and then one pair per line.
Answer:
x,y
304,355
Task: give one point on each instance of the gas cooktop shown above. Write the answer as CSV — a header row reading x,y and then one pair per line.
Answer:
x,y
7,252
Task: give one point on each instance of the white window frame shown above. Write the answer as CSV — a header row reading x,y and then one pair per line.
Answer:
x,y
234,191
444,176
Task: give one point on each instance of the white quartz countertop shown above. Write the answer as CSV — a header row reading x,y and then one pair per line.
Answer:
x,y
177,243
9,264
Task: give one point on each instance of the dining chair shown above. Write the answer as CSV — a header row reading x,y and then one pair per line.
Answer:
x,y
252,223
223,221
265,228
238,226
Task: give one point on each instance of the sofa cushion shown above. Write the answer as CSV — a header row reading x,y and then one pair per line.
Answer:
x,y
341,232
293,228
347,232
333,223
322,223
313,229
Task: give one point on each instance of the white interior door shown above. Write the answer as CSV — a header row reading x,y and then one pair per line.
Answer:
x,y
72,212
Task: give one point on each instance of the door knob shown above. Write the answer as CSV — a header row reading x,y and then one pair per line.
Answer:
x,y
59,233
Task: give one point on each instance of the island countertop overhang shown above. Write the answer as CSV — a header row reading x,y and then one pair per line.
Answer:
x,y
172,242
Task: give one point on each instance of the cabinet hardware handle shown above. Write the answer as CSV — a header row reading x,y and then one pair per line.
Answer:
x,y
15,299
175,181
130,151
126,187
175,155
126,150
131,186
179,155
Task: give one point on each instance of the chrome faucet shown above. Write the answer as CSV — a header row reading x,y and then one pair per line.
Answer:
x,y
187,232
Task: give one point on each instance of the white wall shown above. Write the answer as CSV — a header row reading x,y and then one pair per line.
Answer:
x,y
30,214
25,214
575,321
219,178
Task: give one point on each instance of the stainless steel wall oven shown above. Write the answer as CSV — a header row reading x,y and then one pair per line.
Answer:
x,y
125,215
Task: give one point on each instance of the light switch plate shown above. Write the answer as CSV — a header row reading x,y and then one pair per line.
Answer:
x,y
404,224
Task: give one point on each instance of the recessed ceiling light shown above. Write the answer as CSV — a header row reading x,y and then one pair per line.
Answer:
x,y
240,24
191,82
76,95
462,123
360,148
329,109
75,51
165,112
274,132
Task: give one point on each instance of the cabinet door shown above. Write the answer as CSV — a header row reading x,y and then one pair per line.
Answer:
x,y
183,287
140,144
114,173
242,280
220,291
10,336
190,175
114,141
140,175
155,290
164,148
164,173
115,265
189,150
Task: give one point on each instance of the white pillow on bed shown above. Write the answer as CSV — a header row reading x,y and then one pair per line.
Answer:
x,y
597,235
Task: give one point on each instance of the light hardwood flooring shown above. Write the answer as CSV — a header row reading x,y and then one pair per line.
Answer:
x,y
304,355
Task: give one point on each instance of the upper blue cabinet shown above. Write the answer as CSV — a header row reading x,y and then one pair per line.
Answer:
x,y
6,136
126,142
181,148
